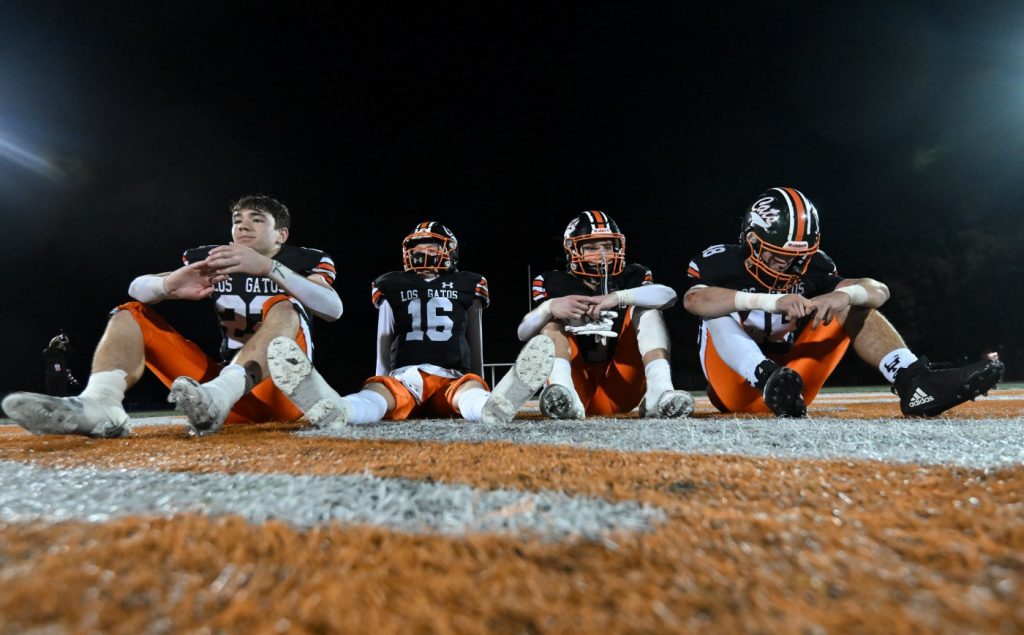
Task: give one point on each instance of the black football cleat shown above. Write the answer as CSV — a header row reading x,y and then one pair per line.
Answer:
x,y
783,393
928,390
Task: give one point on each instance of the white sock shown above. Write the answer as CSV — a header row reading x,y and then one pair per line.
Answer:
x,y
561,373
106,387
229,386
659,377
894,361
366,406
471,403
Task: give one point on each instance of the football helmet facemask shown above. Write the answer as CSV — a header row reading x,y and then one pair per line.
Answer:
x,y
432,232
784,222
593,225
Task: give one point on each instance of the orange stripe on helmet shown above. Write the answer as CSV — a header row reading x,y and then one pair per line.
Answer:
x,y
598,217
801,212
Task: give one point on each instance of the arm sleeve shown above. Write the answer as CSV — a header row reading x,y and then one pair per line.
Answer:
x,y
534,321
148,289
322,301
648,296
385,333
475,332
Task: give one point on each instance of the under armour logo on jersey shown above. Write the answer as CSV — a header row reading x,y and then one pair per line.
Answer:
x,y
447,285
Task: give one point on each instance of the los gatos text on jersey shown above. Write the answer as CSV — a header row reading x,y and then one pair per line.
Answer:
x,y
252,285
413,294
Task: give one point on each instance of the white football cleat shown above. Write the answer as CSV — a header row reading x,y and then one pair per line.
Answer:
x,y
671,404
527,375
294,375
44,414
205,413
560,402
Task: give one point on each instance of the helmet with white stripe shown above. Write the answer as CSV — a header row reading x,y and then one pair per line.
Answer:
x,y
443,256
782,232
594,225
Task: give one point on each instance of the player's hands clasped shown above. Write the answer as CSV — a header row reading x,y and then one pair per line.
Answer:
x,y
571,307
794,306
828,306
228,259
602,303
192,282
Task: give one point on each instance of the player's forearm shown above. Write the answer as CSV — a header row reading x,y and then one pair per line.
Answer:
x,y
865,292
534,321
149,289
710,302
321,300
648,296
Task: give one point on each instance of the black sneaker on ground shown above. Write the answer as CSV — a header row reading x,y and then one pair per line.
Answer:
x,y
783,393
928,390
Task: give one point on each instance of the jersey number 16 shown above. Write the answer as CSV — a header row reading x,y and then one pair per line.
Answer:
x,y
428,319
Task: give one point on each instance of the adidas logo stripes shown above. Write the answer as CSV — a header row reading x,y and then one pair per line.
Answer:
x,y
919,398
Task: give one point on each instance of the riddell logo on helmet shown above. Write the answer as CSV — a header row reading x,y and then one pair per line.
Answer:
x,y
601,230
796,244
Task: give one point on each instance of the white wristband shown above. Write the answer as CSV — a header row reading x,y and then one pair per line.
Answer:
x,y
625,297
858,294
764,301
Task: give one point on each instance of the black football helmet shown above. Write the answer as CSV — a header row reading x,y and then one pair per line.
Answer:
x,y
781,221
447,258
593,225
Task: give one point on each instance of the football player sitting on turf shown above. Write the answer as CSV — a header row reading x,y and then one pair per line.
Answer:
x,y
429,348
777,319
604,317
261,289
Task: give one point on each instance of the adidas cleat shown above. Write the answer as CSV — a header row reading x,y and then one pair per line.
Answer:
x,y
783,393
559,402
672,404
531,370
295,376
44,414
928,390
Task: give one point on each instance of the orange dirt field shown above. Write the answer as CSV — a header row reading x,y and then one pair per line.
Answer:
x,y
749,544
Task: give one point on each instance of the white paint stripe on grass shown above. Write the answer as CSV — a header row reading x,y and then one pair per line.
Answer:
x,y
34,493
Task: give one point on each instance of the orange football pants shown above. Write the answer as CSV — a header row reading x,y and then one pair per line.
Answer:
x,y
438,393
815,354
615,386
170,355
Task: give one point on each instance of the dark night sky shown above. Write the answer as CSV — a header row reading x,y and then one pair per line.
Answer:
x,y
125,130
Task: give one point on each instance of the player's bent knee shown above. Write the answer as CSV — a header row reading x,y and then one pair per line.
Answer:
x,y
282,313
554,330
139,312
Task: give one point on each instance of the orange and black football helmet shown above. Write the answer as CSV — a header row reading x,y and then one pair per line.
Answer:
x,y
593,225
447,256
781,221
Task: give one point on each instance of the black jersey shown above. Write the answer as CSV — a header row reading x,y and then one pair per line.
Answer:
x,y
239,299
558,284
722,266
431,316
